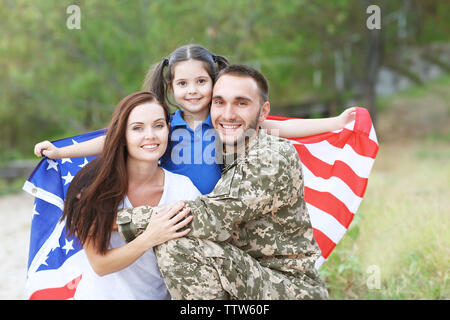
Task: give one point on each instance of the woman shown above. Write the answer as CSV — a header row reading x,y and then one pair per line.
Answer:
x,y
127,174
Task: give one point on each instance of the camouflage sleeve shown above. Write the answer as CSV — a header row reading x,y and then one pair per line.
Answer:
x,y
260,185
133,221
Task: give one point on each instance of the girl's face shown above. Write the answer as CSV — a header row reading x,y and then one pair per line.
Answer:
x,y
192,86
147,132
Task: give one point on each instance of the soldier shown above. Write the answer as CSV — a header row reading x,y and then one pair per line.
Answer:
x,y
251,237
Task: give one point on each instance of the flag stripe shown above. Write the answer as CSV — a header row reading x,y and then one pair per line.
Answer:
x,y
326,224
339,169
333,185
325,243
328,153
362,145
60,293
326,202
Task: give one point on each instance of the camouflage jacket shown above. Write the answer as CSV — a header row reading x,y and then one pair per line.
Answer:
x,y
258,205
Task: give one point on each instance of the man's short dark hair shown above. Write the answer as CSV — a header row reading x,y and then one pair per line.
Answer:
x,y
240,70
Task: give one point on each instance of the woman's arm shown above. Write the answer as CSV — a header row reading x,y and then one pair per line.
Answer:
x,y
294,128
161,228
88,148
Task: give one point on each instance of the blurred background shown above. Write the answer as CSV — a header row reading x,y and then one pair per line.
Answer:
x,y
319,57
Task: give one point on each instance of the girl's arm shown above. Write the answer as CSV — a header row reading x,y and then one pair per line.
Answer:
x,y
83,149
161,228
294,128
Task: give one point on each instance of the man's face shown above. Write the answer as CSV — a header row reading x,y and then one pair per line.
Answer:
x,y
236,108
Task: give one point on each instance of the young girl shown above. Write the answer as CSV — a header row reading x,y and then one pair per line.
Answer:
x,y
188,75
125,175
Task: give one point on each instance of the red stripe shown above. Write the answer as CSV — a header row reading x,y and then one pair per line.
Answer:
x,y
325,170
61,293
361,144
328,203
358,139
363,123
325,244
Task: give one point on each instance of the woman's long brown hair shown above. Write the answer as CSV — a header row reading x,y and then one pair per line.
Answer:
x,y
92,200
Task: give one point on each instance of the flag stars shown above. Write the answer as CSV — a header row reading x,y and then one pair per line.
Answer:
x,y
64,160
52,165
67,178
84,163
68,246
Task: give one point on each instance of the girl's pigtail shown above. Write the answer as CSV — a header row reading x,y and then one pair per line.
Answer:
x,y
221,62
155,81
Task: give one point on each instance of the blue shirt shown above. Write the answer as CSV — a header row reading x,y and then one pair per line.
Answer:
x,y
192,152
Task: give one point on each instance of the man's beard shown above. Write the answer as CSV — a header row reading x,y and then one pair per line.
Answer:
x,y
243,139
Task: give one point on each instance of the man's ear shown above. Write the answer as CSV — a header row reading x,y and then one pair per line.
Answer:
x,y
265,110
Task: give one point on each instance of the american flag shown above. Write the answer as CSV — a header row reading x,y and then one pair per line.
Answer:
x,y
55,262
336,167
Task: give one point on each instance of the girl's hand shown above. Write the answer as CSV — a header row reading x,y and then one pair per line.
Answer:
x,y
46,148
347,116
164,226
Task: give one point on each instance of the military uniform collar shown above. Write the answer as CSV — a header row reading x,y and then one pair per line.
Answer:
x,y
230,159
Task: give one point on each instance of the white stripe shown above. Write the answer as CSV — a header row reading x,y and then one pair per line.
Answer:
x,y
43,195
53,239
71,269
326,223
373,135
330,154
319,262
333,185
44,251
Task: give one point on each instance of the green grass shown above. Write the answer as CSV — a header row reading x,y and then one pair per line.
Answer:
x,y
401,228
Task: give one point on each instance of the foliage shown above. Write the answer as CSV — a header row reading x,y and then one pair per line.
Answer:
x,y
57,82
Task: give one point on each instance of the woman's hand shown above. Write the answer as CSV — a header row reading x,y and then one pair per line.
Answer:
x,y
46,148
164,226
347,116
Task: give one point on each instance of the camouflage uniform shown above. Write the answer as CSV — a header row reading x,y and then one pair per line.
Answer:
x,y
251,236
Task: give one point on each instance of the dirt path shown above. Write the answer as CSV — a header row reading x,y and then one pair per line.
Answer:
x,y
15,216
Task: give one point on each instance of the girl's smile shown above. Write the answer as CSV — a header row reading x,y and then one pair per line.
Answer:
x,y
192,89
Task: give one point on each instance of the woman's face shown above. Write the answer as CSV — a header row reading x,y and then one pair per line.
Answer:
x,y
192,86
147,132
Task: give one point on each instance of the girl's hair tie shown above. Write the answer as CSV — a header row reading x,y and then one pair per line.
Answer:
x,y
165,62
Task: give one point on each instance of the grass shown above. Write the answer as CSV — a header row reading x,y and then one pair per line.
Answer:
x,y
401,228
400,234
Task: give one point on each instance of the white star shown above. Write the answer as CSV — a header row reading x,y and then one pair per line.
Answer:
x,y
84,163
68,246
74,142
45,261
52,165
64,160
68,178
34,211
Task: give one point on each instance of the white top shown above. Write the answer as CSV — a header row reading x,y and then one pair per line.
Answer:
x,y
142,279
